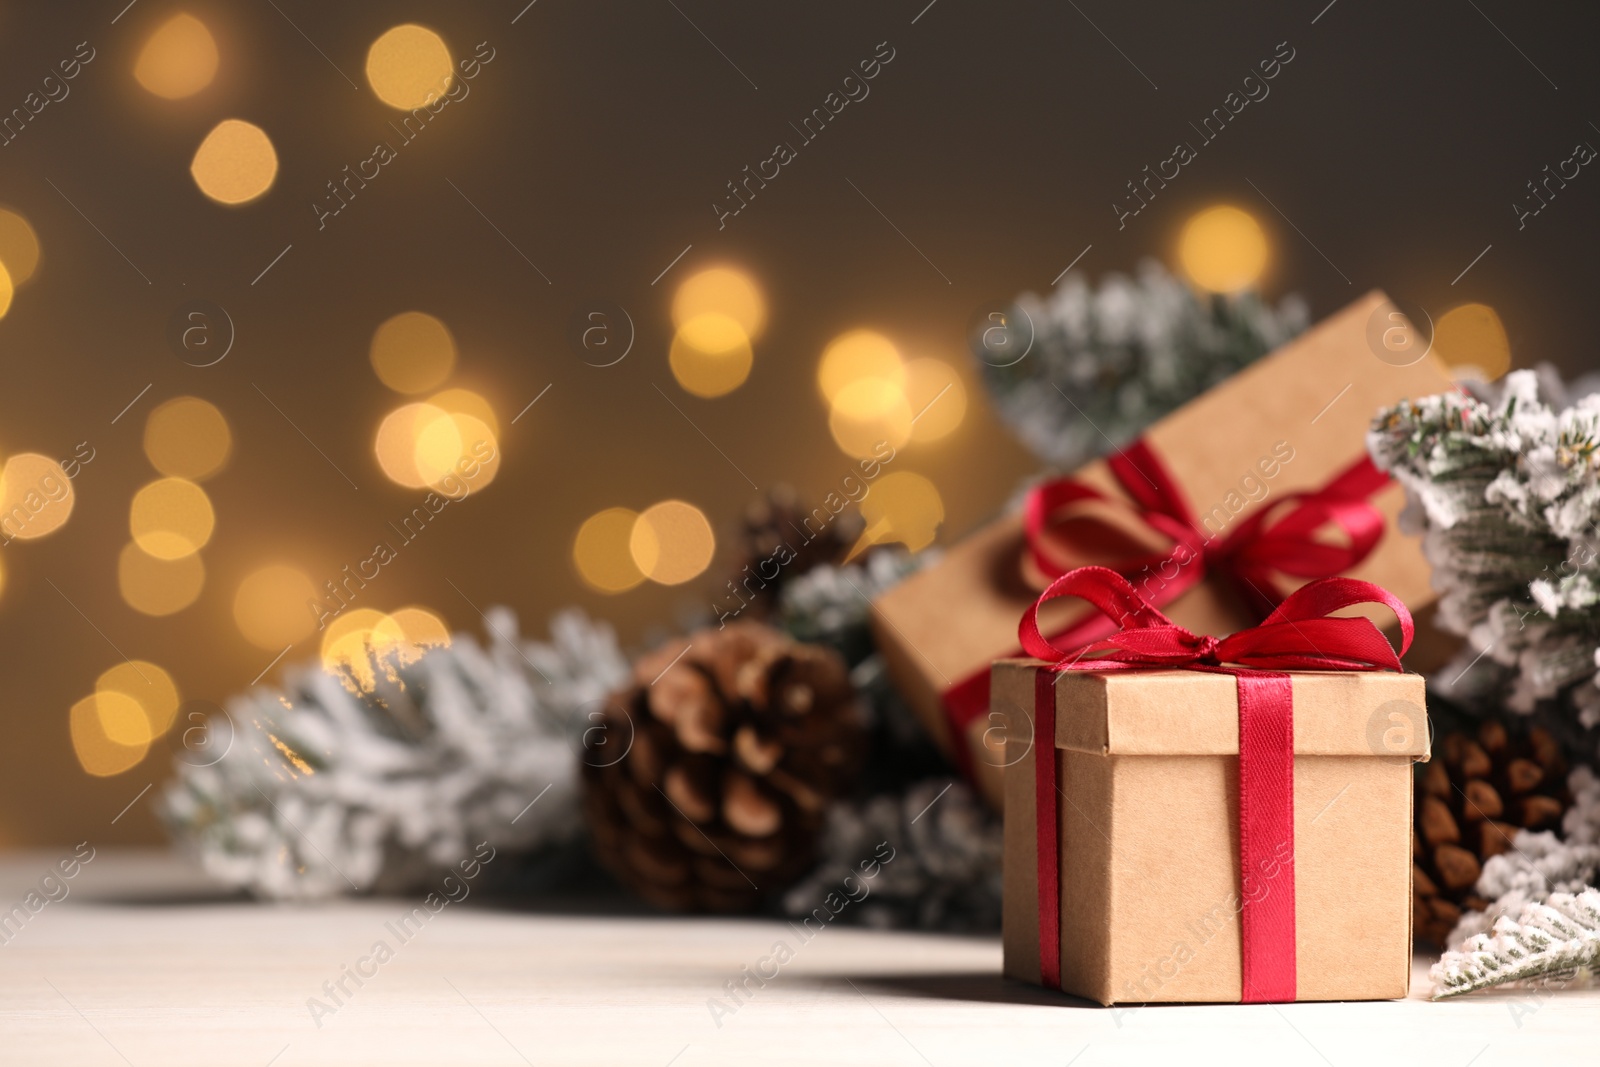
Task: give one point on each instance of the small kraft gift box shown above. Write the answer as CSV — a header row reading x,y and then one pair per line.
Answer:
x,y
1221,508
1236,830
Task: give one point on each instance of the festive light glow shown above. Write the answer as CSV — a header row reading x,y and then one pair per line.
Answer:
x,y
721,291
7,291
1223,249
171,518
413,352
466,402
19,247
601,554
867,412
272,607
409,66
903,507
148,686
449,451
158,587
397,441
235,163
187,437
348,647
671,542
179,59
936,397
1472,340
711,355
36,496
98,754
408,633
858,355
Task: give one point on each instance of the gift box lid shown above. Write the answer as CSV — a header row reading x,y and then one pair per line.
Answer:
x,y
1196,713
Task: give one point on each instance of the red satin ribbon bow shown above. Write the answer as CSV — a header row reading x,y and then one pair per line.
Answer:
x,y
1300,634
1277,538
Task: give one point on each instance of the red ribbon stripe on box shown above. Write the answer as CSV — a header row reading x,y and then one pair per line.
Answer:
x,y
1278,538
1301,634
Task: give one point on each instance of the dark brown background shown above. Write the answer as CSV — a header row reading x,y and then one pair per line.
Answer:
x,y
597,140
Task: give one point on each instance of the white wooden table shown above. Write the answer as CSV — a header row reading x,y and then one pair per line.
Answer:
x,y
143,964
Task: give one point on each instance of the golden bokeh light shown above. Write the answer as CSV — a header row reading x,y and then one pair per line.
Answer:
x,y
671,542
36,496
409,66
600,551
187,437
171,518
349,645
19,247
412,352
937,398
855,356
236,162
397,440
276,606
902,507
158,587
407,634
179,59
99,753
449,450
1472,341
867,413
466,402
1223,249
721,291
7,290
711,355
148,686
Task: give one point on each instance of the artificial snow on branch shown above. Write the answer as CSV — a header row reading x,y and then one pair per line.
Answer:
x,y
329,787
1105,362
1548,939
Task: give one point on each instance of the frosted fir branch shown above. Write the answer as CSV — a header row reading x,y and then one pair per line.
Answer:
x,y
319,790
1108,360
1551,938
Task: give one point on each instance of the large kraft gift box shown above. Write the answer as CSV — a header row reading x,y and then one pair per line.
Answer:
x,y
1312,400
1148,833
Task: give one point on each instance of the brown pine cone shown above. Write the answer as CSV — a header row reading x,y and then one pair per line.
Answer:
x,y
1471,800
780,538
740,737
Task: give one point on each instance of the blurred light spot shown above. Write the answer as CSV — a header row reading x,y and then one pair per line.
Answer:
x,y
348,644
409,66
187,437
466,402
1472,341
867,413
671,542
19,247
903,507
148,686
721,291
36,496
857,355
98,753
600,551
171,518
711,355
458,455
7,291
398,437
408,633
276,606
235,163
159,586
1223,249
937,399
179,59
413,352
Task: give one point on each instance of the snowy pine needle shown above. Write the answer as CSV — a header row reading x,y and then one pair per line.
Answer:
x,y
1553,938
